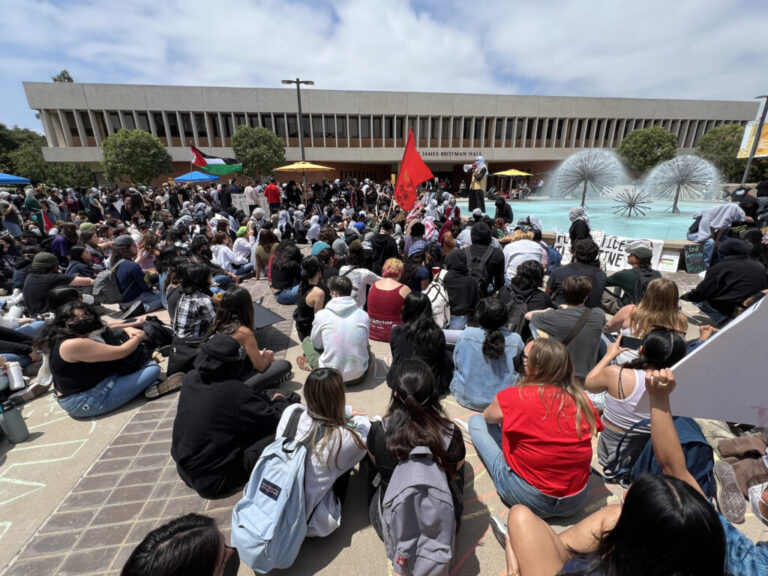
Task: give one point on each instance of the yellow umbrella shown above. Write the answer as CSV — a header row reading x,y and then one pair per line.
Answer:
x,y
302,167
512,172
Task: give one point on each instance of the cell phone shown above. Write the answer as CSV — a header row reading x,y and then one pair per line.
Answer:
x,y
631,343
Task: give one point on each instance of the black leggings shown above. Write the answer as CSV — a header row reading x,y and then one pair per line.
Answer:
x,y
276,371
13,342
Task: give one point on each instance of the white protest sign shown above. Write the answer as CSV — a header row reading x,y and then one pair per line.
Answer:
x,y
725,378
670,260
613,250
239,202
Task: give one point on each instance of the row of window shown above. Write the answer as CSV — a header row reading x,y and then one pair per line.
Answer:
x,y
87,128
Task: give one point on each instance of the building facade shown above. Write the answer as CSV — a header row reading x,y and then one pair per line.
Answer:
x,y
362,134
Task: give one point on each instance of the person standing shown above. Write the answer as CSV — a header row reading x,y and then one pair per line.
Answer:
x,y
272,192
477,185
250,196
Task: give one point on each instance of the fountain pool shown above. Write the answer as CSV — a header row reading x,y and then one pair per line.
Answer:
x,y
658,224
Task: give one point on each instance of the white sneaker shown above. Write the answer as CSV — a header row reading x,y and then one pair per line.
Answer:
x,y
499,530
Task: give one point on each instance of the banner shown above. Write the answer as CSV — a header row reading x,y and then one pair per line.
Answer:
x,y
724,378
613,250
749,138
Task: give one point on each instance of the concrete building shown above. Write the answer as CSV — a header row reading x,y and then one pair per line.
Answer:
x,y
363,133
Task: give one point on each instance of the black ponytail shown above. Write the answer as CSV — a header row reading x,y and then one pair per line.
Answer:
x,y
491,314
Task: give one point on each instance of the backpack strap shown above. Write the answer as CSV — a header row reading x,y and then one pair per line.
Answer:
x,y
578,326
289,433
612,470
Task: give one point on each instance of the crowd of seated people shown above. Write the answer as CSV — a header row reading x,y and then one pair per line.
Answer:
x,y
531,361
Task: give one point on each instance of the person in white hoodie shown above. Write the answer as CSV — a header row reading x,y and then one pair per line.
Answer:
x,y
224,256
339,337
337,442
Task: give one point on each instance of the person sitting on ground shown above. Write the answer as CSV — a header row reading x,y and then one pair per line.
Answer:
x,y
337,444
585,263
362,278
200,252
414,418
266,247
420,337
330,263
415,274
524,291
521,248
131,279
484,357
222,424
385,300
504,211
234,317
666,526
43,277
535,438
64,241
574,324
88,376
384,246
659,308
225,257
493,269
462,290
729,282
148,251
194,311
313,295
339,337
634,280
625,386
579,229
286,273
80,263
245,242
189,544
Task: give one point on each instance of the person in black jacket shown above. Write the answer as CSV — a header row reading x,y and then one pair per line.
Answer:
x,y
504,210
525,288
461,288
585,263
729,282
222,425
384,246
494,266
420,337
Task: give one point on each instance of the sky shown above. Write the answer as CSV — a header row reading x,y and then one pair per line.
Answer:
x,y
692,49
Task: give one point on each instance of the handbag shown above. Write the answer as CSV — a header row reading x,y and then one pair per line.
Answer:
x,y
183,351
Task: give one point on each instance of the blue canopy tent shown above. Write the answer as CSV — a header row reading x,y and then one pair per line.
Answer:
x,y
10,180
196,177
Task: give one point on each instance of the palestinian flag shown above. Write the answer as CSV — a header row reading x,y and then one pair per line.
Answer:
x,y
214,164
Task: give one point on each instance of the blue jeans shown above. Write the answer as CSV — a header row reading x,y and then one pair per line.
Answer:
x,y
288,296
223,280
23,361
110,393
161,287
152,301
707,309
244,269
32,329
511,488
742,556
457,323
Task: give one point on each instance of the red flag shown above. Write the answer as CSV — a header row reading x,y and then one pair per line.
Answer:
x,y
413,172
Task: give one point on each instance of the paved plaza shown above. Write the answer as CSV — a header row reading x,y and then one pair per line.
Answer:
x,y
79,495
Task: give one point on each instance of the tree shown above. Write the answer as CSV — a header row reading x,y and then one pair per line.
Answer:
x,y
135,155
721,146
259,149
63,76
644,149
27,161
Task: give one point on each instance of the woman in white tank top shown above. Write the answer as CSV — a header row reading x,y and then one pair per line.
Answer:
x,y
625,386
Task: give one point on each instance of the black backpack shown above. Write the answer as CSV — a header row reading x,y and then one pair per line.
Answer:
x,y
517,308
477,268
643,277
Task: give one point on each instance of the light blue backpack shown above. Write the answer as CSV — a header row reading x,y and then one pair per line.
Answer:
x,y
270,521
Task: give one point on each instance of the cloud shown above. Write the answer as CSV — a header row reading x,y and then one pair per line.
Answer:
x,y
683,49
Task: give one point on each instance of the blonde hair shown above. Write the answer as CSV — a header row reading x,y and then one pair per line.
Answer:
x,y
659,308
550,364
521,235
393,268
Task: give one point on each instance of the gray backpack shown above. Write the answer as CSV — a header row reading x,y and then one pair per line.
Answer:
x,y
417,517
106,290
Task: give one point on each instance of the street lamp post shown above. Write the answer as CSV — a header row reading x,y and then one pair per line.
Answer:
x,y
756,140
298,83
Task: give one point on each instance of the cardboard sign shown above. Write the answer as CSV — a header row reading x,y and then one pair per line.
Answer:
x,y
694,259
724,378
613,250
669,262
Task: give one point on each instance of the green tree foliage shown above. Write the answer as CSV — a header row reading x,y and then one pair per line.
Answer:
x,y
721,146
134,155
644,149
21,154
63,76
259,149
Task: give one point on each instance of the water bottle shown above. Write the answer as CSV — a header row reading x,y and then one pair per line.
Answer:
x,y
15,376
12,423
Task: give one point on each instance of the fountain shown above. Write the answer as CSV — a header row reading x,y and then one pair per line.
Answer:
x,y
592,172
632,202
684,178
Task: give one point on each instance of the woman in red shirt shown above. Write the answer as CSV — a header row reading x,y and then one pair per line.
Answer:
x,y
535,438
385,301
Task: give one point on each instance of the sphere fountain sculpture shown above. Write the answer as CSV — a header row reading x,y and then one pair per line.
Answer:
x,y
590,172
684,177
